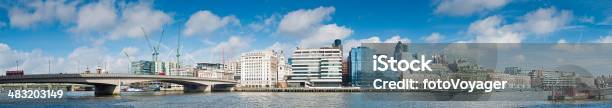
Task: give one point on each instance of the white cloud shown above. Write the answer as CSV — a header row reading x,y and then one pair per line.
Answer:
x,y
227,49
131,51
300,21
468,7
434,38
35,62
36,12
97,17
136,16
264,25
352,43
562,41
233,44
280,46
307,25
204,22
491,30
540,22
286,48
4,47
325,35
606,39
88,56
397,38
544,21
91,57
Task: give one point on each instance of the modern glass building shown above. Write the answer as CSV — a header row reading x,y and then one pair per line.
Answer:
x,y
361,64
143,67
316,67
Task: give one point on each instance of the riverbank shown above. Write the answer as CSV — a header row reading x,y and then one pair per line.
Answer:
x,y
351,89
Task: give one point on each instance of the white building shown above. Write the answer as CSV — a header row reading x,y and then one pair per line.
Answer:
x,y
261,69
514,81
176,70
316,67
212,70
233,67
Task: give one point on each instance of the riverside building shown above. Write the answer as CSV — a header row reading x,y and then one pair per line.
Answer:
x,y
317,67
212,71
262,69
361,64
233,66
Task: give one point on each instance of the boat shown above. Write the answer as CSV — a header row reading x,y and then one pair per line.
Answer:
x,y
134,90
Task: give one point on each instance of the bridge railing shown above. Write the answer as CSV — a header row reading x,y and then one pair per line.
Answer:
x,y
37,76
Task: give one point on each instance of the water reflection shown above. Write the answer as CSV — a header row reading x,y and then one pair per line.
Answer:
x,y
283,100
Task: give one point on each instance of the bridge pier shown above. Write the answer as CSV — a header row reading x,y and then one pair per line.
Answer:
x,y
223,87
196,88
106,90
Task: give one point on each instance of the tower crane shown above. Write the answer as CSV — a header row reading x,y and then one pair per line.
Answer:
x,y
129,61
154,48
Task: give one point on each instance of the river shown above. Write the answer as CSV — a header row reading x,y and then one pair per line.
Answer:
x,y
292,99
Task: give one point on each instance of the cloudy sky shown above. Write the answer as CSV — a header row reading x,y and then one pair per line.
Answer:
x,y
73,35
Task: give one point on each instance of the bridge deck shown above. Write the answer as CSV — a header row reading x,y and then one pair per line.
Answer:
x,y
116,76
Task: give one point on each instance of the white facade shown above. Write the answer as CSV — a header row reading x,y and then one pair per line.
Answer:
x,y
316,67
233,67
176,70
211,74
260,69
514,81
213,71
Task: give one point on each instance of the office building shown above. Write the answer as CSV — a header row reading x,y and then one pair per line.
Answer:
x,y
262,69
360,62
143,67
233,67
316,67
212,71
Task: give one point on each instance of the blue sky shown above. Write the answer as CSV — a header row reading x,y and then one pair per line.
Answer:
x,y
95,33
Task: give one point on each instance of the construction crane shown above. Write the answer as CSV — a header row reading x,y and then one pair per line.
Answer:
x,y
129,60
155,49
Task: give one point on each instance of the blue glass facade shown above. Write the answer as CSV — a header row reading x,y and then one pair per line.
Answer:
x,y
361,64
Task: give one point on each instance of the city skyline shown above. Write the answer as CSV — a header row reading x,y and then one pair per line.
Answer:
x,y
66,33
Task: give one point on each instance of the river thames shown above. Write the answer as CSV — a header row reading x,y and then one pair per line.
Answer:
x,y
293,99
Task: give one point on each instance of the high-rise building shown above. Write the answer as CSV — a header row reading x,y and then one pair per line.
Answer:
x,y
143,67
261,69
360,63
316,67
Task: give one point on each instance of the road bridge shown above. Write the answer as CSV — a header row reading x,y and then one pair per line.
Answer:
x,y
108,84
